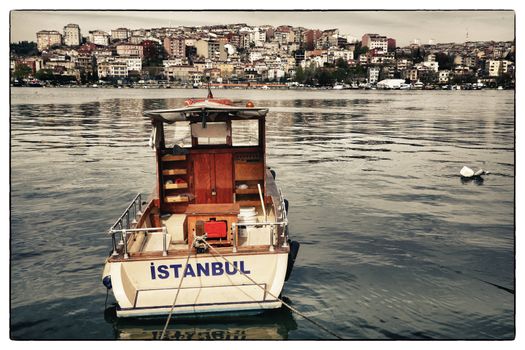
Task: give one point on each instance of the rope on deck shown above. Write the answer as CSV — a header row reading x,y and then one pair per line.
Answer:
x,y
176,296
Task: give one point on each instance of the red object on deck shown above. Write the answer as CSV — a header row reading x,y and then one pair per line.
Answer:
x,y
215,229
223,101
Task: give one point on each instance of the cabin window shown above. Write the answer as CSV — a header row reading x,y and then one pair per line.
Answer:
x,y
179,134
215,133
245,132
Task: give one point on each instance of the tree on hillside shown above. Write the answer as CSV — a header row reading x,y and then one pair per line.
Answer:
x,y
22,71
23,48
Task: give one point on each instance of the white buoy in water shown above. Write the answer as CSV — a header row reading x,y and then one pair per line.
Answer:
x,y
466,172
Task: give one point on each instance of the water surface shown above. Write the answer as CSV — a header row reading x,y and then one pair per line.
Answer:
x,y
394,244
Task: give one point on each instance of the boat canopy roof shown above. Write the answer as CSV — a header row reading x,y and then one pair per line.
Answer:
x,y
207,108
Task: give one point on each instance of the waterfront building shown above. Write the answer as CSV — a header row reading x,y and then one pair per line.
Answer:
x,y
98,37
179,73
72,36
444,76
112,70
46,39
495,68
35,63
373,74
412,75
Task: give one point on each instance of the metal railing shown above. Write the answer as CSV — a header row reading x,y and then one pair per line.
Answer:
x,y
123,222
272,225
127,223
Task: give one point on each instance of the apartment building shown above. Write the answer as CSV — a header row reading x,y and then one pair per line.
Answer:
x,y
72,36
46,39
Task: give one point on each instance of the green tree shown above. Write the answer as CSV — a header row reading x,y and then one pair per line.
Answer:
x,y
445,61
324,77
24,48
299,74
341,63
22,71
45,74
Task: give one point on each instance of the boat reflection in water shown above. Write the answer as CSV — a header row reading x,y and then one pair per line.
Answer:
x,y
272,324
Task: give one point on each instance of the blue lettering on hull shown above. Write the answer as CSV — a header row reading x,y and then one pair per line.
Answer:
x,y
216,268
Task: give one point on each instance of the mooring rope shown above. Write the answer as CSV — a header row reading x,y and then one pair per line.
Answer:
x,y
176,295
266,291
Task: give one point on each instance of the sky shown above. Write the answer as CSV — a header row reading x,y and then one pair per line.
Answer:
x,y
404,26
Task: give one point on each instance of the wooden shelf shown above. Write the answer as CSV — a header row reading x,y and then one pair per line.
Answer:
x,y
174,172
175,186
173,157
176,199
251,203
247,191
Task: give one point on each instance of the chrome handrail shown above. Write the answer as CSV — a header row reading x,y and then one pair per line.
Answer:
x,y
135,206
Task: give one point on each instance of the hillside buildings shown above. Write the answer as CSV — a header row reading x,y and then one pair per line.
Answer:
x,y
243,53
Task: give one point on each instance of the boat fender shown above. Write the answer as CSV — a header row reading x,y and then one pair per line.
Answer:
x,y
292,255
286,205
273,173
106,281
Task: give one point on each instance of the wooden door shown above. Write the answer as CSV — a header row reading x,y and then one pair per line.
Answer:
x,y
202,175
213,178
223,164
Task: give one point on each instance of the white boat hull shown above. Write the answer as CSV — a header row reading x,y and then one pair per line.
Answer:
x,y
210,284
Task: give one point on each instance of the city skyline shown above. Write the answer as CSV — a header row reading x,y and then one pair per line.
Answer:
x,y
404,26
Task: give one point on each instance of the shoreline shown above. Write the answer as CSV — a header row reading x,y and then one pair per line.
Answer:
x,y
248,88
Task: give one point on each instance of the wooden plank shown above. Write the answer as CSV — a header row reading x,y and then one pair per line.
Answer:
x,y
249,203
175,186
213,209
247,191
175,199
173,157
174,172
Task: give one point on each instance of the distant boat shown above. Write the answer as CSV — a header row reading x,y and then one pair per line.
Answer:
x,y
418,85
500,87
338,86
35,83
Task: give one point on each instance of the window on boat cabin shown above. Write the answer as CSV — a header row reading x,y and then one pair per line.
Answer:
x,y
245,132
215,133
177,134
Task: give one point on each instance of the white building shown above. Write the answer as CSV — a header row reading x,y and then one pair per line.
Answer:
x,y
47,38
98,37
72,36
373,74
497,67
132,63
433,65
444,76
112,69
